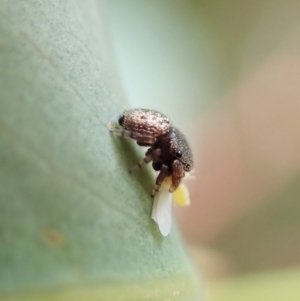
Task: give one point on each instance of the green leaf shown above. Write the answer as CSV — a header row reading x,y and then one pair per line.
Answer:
x,y
74,225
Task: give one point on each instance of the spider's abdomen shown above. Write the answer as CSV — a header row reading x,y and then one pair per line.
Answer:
x,y
179,143
146,122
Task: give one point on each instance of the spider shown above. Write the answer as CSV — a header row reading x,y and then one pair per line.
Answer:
x,y
169,151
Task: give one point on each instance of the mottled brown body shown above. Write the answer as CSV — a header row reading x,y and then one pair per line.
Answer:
x,y
148,122
169,150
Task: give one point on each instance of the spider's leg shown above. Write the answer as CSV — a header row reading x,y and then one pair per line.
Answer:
x,y
140,137
177,175
149,157
164,172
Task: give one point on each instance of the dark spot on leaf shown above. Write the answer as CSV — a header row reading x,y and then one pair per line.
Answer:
x,y
53,237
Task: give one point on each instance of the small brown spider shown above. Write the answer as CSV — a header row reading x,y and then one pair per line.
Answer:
x,y
169,150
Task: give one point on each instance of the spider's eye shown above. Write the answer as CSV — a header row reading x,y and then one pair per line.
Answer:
x,y
121,120
178,154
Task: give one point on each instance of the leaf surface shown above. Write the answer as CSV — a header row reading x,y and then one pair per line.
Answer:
x,y
73,224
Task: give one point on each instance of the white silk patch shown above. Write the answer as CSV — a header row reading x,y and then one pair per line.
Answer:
x,y
162,205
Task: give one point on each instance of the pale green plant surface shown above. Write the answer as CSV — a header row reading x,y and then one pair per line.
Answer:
x,y
73,224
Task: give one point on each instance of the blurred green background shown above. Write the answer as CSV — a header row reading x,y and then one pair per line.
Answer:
x,y
228,74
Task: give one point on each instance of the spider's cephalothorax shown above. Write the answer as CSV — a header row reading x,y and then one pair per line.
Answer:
x,y
169,151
